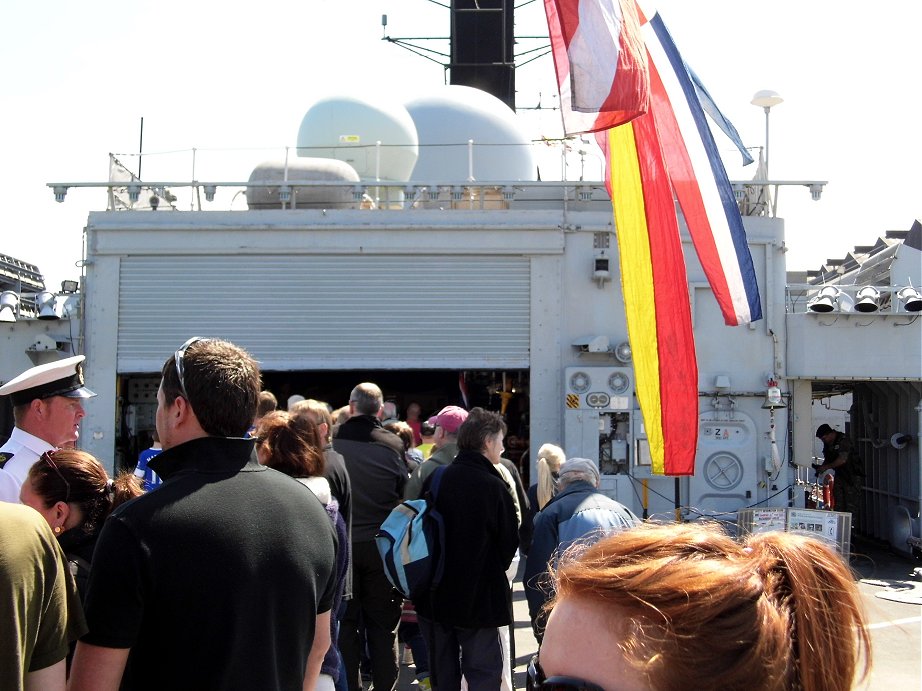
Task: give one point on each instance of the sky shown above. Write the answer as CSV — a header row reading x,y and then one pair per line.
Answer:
x,y
216,76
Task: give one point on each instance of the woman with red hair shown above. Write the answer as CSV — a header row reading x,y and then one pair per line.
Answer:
x,y
675,607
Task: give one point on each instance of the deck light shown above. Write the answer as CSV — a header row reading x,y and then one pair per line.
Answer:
x,y
867,299
765,99
911,299
47,305
826,301
9,304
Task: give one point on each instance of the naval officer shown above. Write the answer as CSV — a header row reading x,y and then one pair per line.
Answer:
x,y
47,409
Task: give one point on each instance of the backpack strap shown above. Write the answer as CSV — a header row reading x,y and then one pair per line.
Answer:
x,y
431,496
436,481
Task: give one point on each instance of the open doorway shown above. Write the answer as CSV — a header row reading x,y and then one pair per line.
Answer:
x,y
497,390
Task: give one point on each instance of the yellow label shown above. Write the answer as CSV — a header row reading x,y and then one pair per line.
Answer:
x,y
349,139
572,400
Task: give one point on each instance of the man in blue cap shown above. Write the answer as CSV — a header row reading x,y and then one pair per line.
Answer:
x,y
47,409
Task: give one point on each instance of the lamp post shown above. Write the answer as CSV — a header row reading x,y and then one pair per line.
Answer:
x,y
765,99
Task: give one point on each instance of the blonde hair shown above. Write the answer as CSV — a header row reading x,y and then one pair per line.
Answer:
x,y
700,610
550,458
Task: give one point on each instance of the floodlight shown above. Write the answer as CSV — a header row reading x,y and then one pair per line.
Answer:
x,y
825,301
9,304
45,302
867,299
911,299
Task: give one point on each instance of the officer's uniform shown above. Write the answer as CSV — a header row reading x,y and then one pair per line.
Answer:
x,y
22,450
9,488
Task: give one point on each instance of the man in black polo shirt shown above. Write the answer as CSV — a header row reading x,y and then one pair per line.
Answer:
x,y
223,576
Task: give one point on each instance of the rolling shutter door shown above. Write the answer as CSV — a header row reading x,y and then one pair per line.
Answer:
x,y
329,312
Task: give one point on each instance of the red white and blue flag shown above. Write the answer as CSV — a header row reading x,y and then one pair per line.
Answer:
x,y
665,148
600,61
700,180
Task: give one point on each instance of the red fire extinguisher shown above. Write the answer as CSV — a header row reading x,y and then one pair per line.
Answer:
x,y
828,498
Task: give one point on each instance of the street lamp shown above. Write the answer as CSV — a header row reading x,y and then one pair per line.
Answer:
x,y
765,99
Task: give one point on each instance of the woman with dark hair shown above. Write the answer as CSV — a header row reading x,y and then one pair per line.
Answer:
x,y
674,607
292,445
463,616
72,490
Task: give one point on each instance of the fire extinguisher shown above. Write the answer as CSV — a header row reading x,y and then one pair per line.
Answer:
x,y
828,498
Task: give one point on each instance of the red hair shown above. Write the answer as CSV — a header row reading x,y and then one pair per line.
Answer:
x,y
291,444
778,611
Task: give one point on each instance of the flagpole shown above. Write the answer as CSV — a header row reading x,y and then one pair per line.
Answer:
x,y
141,147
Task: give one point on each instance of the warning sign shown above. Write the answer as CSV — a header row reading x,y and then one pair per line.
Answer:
x,y
572,400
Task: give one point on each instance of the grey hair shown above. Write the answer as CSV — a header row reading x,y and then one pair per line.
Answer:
x,y
367,398
568,479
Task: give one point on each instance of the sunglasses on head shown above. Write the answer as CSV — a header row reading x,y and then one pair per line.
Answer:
x,y
537,681
180,370
48,457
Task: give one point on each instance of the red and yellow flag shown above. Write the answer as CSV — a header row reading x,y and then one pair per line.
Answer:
x,y
604,81
653,280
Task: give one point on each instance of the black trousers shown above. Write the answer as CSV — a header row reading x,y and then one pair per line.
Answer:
x,y
373,614
475,654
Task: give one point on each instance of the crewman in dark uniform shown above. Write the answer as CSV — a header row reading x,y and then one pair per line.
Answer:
x,y
839,455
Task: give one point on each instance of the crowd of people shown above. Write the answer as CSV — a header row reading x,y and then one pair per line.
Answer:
x,y
240,554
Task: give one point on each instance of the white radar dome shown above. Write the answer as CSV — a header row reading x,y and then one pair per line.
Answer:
x,y
449,117
349,129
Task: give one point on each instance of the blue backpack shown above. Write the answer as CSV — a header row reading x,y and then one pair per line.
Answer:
x,y
410,543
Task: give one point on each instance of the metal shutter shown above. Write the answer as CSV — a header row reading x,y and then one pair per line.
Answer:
x,y
329,312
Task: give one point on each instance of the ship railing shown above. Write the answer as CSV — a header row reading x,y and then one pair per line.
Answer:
x,y
382,195
571,170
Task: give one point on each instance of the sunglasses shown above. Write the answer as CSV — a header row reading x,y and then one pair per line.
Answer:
x,y
49,460
537,681
180,371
